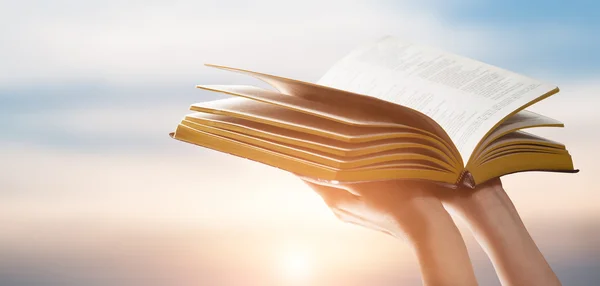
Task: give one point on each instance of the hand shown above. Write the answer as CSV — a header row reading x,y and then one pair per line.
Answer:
x,y
497,226
408,210
397,208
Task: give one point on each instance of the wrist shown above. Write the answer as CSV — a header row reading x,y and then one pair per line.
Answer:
x,y
489,213
481,204
442,255
497,226
424,218
438,246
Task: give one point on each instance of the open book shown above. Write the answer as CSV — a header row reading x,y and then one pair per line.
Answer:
x,y
389,110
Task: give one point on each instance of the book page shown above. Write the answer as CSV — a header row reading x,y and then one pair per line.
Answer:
x,y
521,120
352,115
265,113
374,111
466,97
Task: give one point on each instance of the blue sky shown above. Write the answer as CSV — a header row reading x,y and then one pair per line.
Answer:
x,y
578,14
574,56
89,91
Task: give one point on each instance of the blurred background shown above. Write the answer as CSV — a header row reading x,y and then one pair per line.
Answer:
x,y
94,192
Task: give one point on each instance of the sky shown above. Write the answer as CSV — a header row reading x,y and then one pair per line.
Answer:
x,y
94,192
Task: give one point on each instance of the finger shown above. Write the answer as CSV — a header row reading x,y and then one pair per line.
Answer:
x,y
314,180
333,197
398,187
335,184
358,220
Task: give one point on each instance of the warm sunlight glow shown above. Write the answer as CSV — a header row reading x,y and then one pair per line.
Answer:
x,y
296,265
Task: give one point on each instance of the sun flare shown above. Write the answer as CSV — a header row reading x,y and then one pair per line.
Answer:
x,y
296,265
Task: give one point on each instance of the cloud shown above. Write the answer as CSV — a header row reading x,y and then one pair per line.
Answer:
x,y
196,186
170,40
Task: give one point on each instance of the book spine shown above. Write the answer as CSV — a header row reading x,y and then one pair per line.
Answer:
x,y
466,180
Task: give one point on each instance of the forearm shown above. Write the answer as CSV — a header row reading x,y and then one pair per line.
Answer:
x,y
439,247
410,211
499,229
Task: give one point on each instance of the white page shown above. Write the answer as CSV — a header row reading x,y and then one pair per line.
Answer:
x,y
521,120
466,97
